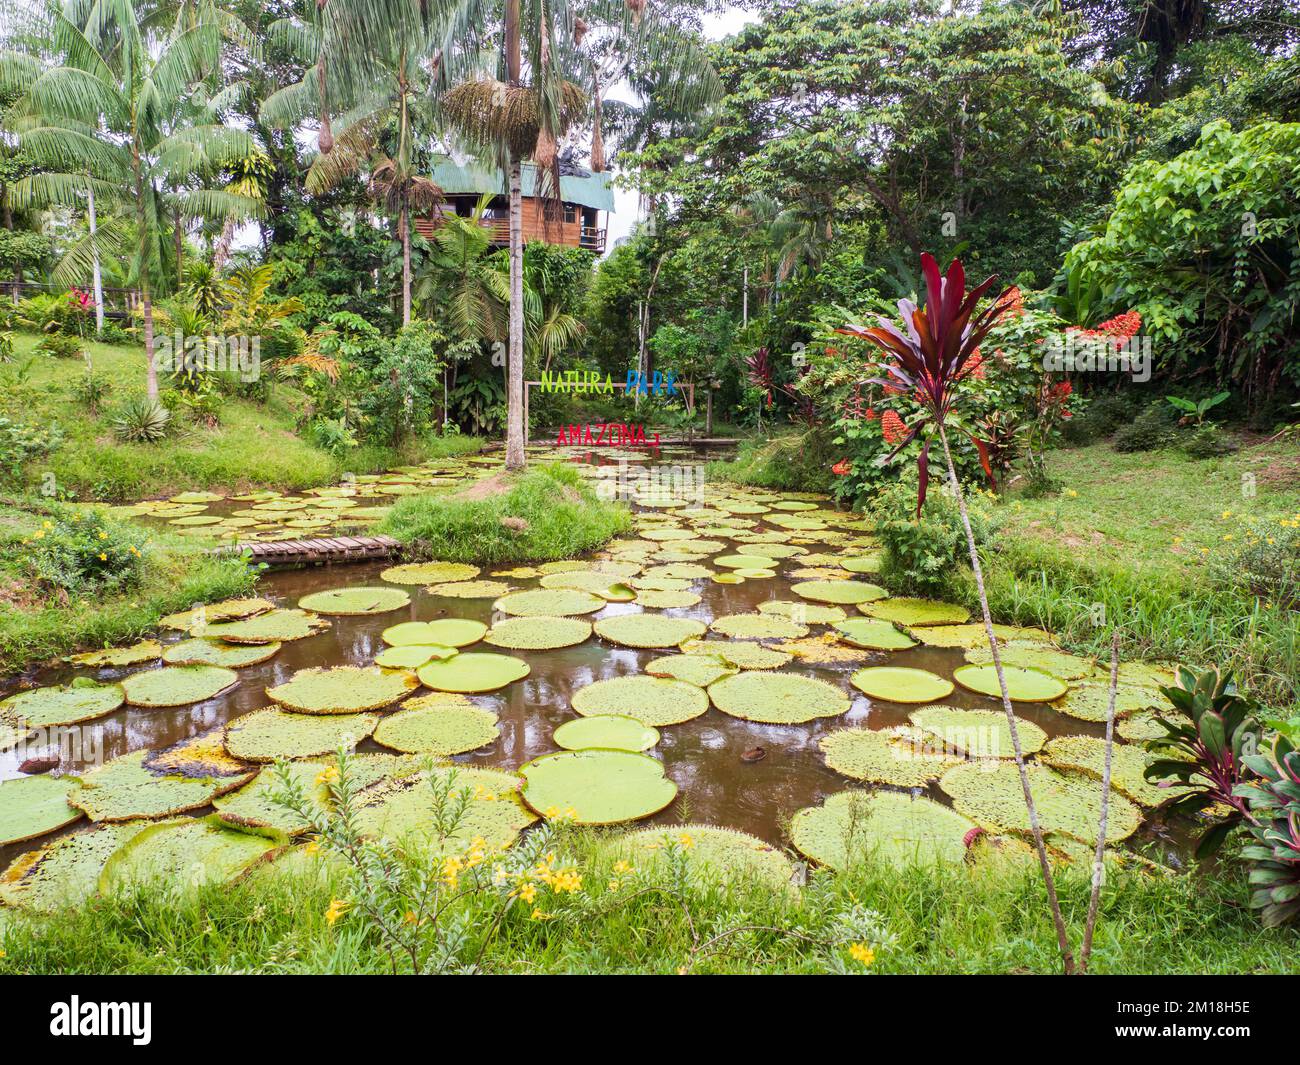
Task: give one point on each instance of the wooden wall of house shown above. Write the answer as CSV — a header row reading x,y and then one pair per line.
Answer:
x,y
534,228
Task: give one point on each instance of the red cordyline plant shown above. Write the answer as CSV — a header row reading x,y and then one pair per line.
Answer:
x,y
929,358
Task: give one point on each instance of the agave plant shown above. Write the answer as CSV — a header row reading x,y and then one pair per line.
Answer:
x,y
1274,799
1204,749
141,420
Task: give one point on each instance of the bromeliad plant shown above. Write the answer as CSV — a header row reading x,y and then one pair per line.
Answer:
x,y
930,358
1274,800
1205,750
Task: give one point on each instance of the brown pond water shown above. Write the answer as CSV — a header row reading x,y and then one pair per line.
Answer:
x,y
703,756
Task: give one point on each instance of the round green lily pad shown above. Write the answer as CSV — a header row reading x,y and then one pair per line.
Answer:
x,y
136,654
473,672
743,654
1135,729
901,756
444,632
124,788
470,589
647,630
177,685
972,634
1023,685
402,808
265,735
901,684
254,808
873,634
609,731
845,592
349,602
33,806
869,563
204,755
273,626
438,730
700,670
803,613
741,561
758,627
46,707
596,787
856,827
183,855
1090,700
654,701
64,872
977,733
342,689
720,854
1069,803
1026,655
777,698
554,602
538,633
595,582
1087,755
205,651
911,612
429,573
655,599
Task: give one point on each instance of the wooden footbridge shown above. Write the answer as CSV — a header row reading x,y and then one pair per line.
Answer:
x,y
318,552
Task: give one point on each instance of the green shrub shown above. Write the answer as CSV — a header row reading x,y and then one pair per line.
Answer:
x,y
6,346
922,555
19,442
141,420
544,514
1149,431
1267,564
60,346
83,552
92,390
785,463
1208,441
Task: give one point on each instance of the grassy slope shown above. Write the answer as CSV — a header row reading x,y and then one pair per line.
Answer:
x,y
945,920
256,445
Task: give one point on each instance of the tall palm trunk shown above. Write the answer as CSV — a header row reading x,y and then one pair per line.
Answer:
x,y
515,360
1062,935
404,224
97,277
151,369
146,264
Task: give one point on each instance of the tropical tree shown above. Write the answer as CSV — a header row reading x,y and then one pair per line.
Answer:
x,y
128,118
461,282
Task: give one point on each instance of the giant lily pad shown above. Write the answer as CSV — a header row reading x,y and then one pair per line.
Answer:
x,y
403,808
901,684
722,855
1026,655
65,872
33,806
596,787
444,632
855,827
609,731
412,655
1023,685
741,561
846,592
271,627
429,573
868,563
902,757
183,855
978,733
470,589
265,735
1087,755
873,634
204,755
654,701
438,730
556,602
777,698
803,613
205,651
911,612
47,707
648,630
473,672
758,627
177,685
341,690
253,807
668,599
1090,700
114,657
123,789
1069,803
700,670
538,633
971,635
349,602
742,654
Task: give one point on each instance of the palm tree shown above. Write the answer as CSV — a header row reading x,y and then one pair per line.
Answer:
x,y
460,283
117,113
515,118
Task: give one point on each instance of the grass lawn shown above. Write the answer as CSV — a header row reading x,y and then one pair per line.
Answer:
x,y
256,445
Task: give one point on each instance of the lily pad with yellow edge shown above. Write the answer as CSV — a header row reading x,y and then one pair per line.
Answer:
x,y
858,828
70,705
1089,700
342,689
1023,685
596,787
274,626
205,651
909,612
843,593
470,589
648,630
177,685
65,872
901,684
429,573
654,701
873,634
112,657
777,698
269,734
442,632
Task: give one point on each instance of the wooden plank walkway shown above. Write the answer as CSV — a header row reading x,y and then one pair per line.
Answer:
x,y
316,552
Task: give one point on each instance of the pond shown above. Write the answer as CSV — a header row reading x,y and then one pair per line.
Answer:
x,y
730,772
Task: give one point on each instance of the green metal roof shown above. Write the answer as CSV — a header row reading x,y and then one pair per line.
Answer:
x,y
593,190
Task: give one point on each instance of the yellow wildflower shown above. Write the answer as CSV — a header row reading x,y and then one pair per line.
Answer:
x,y
328,775
862,953
103,557
1072,493
613,885
337,909
527,892
685,841
541,915
623,867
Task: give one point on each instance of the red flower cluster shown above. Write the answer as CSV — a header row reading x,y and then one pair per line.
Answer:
x,y
892,427
80,299
842,467
1014,300
1120,328
974,367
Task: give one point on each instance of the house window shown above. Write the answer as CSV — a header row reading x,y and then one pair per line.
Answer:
x,y
570,212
